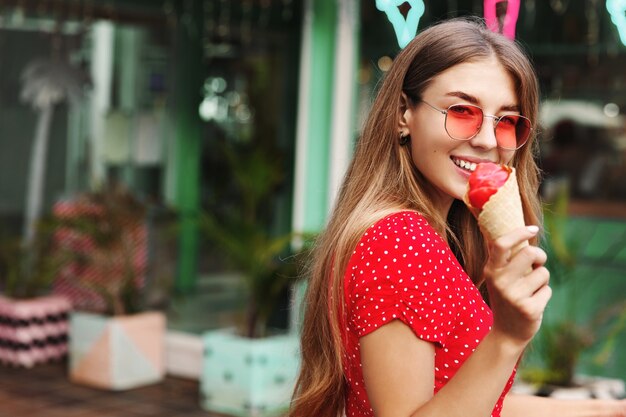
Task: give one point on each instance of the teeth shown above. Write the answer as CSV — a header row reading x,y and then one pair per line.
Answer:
x,y
470,166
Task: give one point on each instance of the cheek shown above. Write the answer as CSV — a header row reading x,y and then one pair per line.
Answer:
x,y
506,157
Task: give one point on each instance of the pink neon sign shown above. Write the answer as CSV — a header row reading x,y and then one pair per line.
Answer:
x,y
501,16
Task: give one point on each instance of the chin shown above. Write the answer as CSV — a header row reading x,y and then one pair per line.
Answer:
x,y
459,191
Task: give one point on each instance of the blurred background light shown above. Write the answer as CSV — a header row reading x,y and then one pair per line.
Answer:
x,y
611,110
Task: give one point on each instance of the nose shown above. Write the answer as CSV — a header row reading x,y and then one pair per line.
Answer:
x,y
486,136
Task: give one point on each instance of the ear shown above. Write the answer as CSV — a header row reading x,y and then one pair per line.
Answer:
x,y
405,114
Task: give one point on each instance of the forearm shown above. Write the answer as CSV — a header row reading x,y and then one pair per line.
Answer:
x,y
528,405
477,386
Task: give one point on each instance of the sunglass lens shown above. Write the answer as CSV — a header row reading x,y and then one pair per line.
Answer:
x,y
522,131
512,131
463,121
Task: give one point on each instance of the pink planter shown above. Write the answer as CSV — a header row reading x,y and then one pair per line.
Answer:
x,y
34,330
117,353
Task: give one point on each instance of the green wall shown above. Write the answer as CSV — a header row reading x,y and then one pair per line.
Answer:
x,y
593,285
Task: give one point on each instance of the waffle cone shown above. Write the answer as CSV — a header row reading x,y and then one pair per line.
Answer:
x,y
502,213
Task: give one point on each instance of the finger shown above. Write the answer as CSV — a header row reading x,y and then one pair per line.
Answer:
x,y
542,256
515,237
519,276
527,258
500,249
533,308
533,282
542,296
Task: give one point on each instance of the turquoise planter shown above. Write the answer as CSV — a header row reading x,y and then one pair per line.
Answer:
x,y
248,377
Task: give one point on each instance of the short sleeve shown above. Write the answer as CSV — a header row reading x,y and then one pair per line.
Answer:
x,y
401,270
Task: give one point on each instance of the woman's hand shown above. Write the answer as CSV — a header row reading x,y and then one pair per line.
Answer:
x,y
518,285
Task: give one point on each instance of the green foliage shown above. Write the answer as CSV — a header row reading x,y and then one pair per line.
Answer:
x,y
561,260
563,337
27,272
112,220
560,345
241,233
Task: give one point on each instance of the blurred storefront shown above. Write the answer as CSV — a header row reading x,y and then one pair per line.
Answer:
x,y
172,89
157,88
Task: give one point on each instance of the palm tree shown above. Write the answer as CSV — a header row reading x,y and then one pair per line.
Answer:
x,y
46,82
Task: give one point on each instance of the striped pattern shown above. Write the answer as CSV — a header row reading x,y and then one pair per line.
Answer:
x,y
33,331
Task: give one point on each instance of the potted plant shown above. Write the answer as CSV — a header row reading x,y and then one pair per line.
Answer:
x,y
565,335
114,342
251,370
33,323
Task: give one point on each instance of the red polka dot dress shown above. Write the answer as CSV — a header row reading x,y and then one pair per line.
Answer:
x,y
403,270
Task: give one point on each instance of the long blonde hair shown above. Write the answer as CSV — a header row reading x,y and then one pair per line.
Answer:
x,y
382,179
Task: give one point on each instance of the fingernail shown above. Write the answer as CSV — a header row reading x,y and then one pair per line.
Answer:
x,y
532,228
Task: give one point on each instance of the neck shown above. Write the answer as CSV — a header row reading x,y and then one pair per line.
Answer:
x,y
443,205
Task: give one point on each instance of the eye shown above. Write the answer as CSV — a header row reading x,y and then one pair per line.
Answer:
x,y
462,110
509,120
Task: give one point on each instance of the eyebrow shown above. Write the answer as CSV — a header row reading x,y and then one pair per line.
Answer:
x,y
474,100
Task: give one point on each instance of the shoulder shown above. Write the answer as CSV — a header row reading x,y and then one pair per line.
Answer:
x,y
404,218
403,227
402,238
402,269
399,244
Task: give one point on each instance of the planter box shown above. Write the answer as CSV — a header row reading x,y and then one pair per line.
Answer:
x,y
248,377
119,352
33,331
183,355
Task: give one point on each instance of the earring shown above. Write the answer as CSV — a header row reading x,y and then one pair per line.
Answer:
x,y
404,139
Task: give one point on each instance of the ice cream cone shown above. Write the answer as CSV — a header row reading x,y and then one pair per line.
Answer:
x,y
503,212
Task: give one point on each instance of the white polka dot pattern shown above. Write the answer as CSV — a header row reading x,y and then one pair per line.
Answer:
x,y
403,270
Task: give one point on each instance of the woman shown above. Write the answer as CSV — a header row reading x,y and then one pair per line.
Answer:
x,y
395,324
